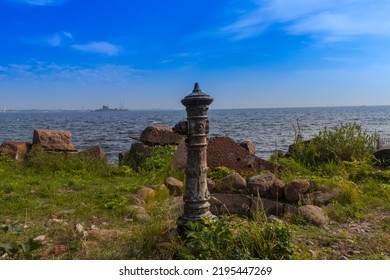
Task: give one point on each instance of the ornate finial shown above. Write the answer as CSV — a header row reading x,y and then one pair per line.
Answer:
x,y
197,89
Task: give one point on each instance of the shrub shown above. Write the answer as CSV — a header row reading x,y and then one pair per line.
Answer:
x,y
347,142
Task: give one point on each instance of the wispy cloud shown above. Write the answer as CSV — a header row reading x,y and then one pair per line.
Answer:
x,y
99,47
329,19
41,2
58,39
53,40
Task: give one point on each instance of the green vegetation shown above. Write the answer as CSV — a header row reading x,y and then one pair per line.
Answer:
x,y
65,206
234,238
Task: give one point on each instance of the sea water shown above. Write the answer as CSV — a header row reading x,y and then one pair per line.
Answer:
x,y
269,129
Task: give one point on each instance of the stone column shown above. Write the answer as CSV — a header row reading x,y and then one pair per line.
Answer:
x,y
196,196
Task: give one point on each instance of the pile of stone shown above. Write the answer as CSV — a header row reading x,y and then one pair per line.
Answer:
x,y
235,195
52,141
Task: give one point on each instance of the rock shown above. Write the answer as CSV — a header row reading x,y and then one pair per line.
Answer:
x,y
319,198
277,189
249,146
160,135
274,219
261,184
180,159
295,190
383,153
210,185
174,186
224,151
272,207
138,149
79,228
94,152
54,221
136,209
136,200
246,205
145,193
16,150
314,214
138,213
232,183
40,238
230,204
176,206
57,140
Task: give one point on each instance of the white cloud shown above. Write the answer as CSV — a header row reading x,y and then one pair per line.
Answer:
x,y
54,40
41,2
99,47
330,19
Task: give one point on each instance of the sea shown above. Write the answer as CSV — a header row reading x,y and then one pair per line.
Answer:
x,y
269,129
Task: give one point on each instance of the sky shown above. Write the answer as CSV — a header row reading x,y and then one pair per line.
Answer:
x,y
144,54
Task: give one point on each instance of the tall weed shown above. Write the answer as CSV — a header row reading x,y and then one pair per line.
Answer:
x,y
346,142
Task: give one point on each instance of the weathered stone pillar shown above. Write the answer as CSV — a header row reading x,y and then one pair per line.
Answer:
x,y
196,196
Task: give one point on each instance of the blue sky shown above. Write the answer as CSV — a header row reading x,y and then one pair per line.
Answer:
x,y
144,54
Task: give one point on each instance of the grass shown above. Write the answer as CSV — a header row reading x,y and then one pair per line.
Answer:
x,y
63,206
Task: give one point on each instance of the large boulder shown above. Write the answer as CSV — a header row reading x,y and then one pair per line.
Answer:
x,y
160,135
296,189
16,150
57,140
260,185
224,151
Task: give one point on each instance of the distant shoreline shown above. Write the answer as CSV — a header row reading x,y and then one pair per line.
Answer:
x,y
177,109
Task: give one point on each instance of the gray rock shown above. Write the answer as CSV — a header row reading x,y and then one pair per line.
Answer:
x,y
295,190
145,193
230,204
261,184
383,153
210,185
138,213
174,186
94,152
277,189
314,214
320,198
232,183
